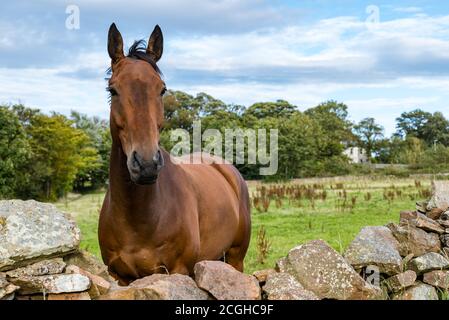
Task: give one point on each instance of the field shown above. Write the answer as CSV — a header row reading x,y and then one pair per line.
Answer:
x,y
292,213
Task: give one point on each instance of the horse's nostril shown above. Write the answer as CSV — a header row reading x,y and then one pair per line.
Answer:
x,y
158,159
136,160
140,164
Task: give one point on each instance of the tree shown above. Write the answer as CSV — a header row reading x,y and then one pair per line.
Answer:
x,y
412,151
412,123
431,128
299,137
14,153
370,134
436,130
180,110
59,152
278,109
333,119
95,173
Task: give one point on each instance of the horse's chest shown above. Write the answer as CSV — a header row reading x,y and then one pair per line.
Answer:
x,y
134,265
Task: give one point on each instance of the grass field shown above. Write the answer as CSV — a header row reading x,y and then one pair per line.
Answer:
x,y
331,209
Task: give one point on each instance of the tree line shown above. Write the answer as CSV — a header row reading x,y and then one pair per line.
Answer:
x,y
45,156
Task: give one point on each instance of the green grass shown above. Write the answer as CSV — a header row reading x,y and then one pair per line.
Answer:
x,y
289,225
85,210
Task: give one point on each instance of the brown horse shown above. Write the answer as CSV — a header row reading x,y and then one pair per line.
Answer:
x,y
158,216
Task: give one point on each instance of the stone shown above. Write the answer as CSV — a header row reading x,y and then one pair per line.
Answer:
x,y
414,241
434,213
261,275
41,268
31,231
99,286
421,207
444,223
375,246
445,239
282,265
428,262
423,222
59,296
158,287
283,286
7,289
57,283
445,252
406,261
419,291
440,195
401,281
445,216
224,282
10,296
322,270
427,224
89,263
69,296
406,216
31,297
437,278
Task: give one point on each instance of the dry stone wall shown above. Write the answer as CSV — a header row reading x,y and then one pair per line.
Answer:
x,y
408,260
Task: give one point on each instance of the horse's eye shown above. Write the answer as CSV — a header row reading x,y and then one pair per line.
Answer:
x,y
163,91
112,91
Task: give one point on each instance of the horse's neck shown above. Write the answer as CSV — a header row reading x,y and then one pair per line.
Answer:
x,y
131,199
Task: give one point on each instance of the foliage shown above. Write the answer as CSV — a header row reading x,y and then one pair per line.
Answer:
x,y
60,151
48,153
333,119
370,134
14,153
278,109
96,171
45,156
431,128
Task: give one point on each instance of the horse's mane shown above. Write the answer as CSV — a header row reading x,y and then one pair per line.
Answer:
x,y
139,51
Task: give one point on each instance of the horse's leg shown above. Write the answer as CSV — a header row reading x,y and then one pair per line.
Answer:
x,y
121,281
184,265
234,256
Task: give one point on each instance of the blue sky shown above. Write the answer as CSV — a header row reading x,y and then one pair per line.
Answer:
x,y
242,52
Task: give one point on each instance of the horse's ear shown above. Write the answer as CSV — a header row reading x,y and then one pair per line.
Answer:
x,y
115,44
156,44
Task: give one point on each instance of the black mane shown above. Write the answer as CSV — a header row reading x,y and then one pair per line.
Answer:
x,y
139,51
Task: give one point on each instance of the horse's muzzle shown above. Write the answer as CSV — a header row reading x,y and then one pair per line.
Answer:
x,y
145,172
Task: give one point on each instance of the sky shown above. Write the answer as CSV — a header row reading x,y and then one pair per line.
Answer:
x,y
379,58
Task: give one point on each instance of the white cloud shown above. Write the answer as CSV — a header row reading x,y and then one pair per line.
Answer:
x,y
46,90
305,64
342,43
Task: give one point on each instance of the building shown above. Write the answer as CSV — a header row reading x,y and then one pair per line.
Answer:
x,y
356,154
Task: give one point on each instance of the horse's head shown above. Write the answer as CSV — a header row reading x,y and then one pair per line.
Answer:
x,y
137,111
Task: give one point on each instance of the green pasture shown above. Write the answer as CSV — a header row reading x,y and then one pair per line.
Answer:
x,y
294,222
